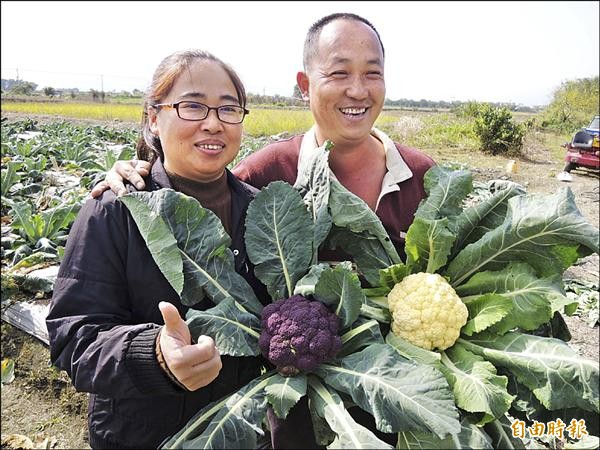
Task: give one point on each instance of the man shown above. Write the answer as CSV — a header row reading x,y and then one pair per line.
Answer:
x,y
343,81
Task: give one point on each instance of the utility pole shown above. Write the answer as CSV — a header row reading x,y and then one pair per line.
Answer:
x,y
17,74
102,88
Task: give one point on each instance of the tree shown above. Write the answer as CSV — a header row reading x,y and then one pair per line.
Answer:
x,y
23,88
575,102
49,91
297,92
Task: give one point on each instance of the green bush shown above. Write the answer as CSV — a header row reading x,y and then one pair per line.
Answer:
x,y
470,109
498,133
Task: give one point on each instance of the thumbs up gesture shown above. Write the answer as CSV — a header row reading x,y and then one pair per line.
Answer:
x,y
194,365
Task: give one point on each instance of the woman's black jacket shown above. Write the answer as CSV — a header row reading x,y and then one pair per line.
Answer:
x,y
104,320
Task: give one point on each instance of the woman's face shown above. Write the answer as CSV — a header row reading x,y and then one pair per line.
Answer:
x,y
198,150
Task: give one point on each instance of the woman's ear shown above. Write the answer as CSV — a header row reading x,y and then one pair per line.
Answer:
x,y
302,80
152,118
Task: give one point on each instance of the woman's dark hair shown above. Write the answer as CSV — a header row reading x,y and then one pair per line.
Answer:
x,y
148,146
310,43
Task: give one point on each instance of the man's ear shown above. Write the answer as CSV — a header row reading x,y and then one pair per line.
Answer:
x,y
302,80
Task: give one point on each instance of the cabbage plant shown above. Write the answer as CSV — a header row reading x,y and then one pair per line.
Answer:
x,y
504,256
190,246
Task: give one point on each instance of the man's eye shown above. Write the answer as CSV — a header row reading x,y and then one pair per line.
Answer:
x,y
228,109
338,74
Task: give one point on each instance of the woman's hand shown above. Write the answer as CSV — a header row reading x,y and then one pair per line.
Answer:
x,y
131,170
194,365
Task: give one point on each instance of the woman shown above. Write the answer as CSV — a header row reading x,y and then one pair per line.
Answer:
x,y
110,300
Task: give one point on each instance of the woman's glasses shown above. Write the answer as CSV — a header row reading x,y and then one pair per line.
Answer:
x,y
195,111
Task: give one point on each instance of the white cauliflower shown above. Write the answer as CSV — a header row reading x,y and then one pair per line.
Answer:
x,y
426,311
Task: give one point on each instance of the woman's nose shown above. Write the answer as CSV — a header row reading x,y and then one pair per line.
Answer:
x,y
212,123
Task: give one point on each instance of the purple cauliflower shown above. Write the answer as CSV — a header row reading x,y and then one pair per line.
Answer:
x,y
298,334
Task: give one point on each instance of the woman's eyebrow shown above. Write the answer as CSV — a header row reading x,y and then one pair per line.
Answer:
x,y
230,98
201,95
193,94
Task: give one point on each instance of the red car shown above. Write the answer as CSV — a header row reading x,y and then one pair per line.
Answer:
x,y
584,150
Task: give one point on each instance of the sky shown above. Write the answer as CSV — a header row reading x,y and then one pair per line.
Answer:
x,y
515,52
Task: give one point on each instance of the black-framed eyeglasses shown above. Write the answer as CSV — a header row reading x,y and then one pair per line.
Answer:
x,y
195,111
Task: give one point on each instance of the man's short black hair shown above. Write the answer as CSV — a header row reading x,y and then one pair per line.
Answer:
x,y
315,30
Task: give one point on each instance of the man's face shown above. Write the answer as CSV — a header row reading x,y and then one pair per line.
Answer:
x,y
345,82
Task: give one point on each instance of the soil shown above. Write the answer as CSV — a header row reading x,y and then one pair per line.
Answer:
x,y
42,406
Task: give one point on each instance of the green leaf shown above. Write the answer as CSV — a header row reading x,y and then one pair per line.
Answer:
x,y
558,377
362,334
340,289
306,285
8,371
470,436
502,435
373,310
41,280
413,352
58,218
399,393
392,275
159,239
485,311
9,176
477,220
428,245
324,435
349,434
350,211
284,392
475,383
529,295
313,185
446,189
232,422
538,229
279,237
366,251
195,426
528,407
203,244
555,328
25,220
234,330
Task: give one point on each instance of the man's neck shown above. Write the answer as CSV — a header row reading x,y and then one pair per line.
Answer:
x,y
347,159
360,168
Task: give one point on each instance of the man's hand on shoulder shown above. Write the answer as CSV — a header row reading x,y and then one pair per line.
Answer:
x,y
131,170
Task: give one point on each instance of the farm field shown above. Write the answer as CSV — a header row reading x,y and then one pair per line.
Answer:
x,y
77,146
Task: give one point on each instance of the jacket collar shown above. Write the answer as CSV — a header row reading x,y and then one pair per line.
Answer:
x,y
397,169
159,179
396,166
